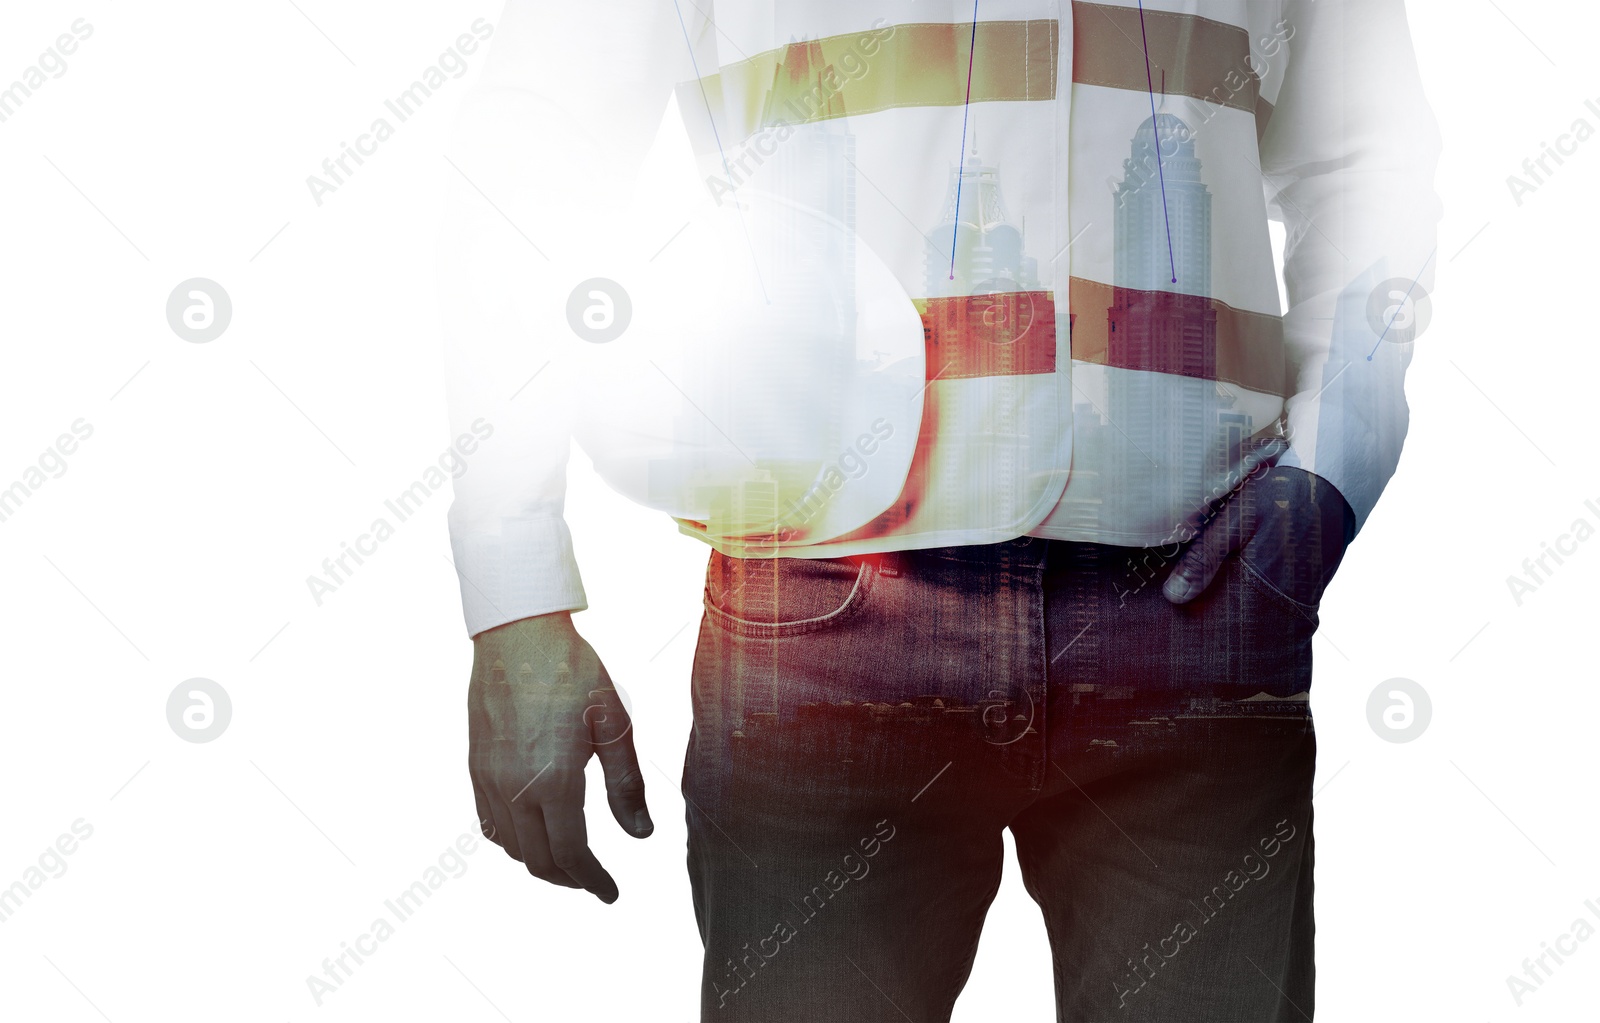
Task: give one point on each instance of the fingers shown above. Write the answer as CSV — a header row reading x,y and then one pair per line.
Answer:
x,y
611,734
516,824
625,786
505,829
535,845
569,848
485,815
1220,537
1253,466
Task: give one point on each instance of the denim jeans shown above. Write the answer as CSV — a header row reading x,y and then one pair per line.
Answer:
x,y
865,727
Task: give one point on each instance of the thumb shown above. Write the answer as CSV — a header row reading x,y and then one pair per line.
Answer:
x,y
1220,537
625,786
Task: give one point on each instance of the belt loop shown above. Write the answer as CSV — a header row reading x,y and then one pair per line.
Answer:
x,y
889,564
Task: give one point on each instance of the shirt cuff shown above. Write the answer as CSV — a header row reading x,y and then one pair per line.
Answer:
x,y
525,569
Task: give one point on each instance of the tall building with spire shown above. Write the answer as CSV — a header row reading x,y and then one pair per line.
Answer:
x,y
1161,315
984,315
1162,320
988,246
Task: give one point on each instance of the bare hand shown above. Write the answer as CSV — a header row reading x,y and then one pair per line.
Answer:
x,y
538,706
1291,526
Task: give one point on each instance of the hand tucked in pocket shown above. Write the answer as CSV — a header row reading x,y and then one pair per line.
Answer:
x,y
1289,525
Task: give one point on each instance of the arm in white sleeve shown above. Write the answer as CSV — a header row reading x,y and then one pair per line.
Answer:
x,y
545,152
1349,156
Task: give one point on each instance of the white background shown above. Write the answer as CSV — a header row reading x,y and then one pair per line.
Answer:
x,y
219,476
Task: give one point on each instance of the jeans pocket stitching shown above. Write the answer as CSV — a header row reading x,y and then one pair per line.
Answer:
x,y
1265,586
852,603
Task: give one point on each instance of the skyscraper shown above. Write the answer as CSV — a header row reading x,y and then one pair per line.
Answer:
x,y
1161,317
